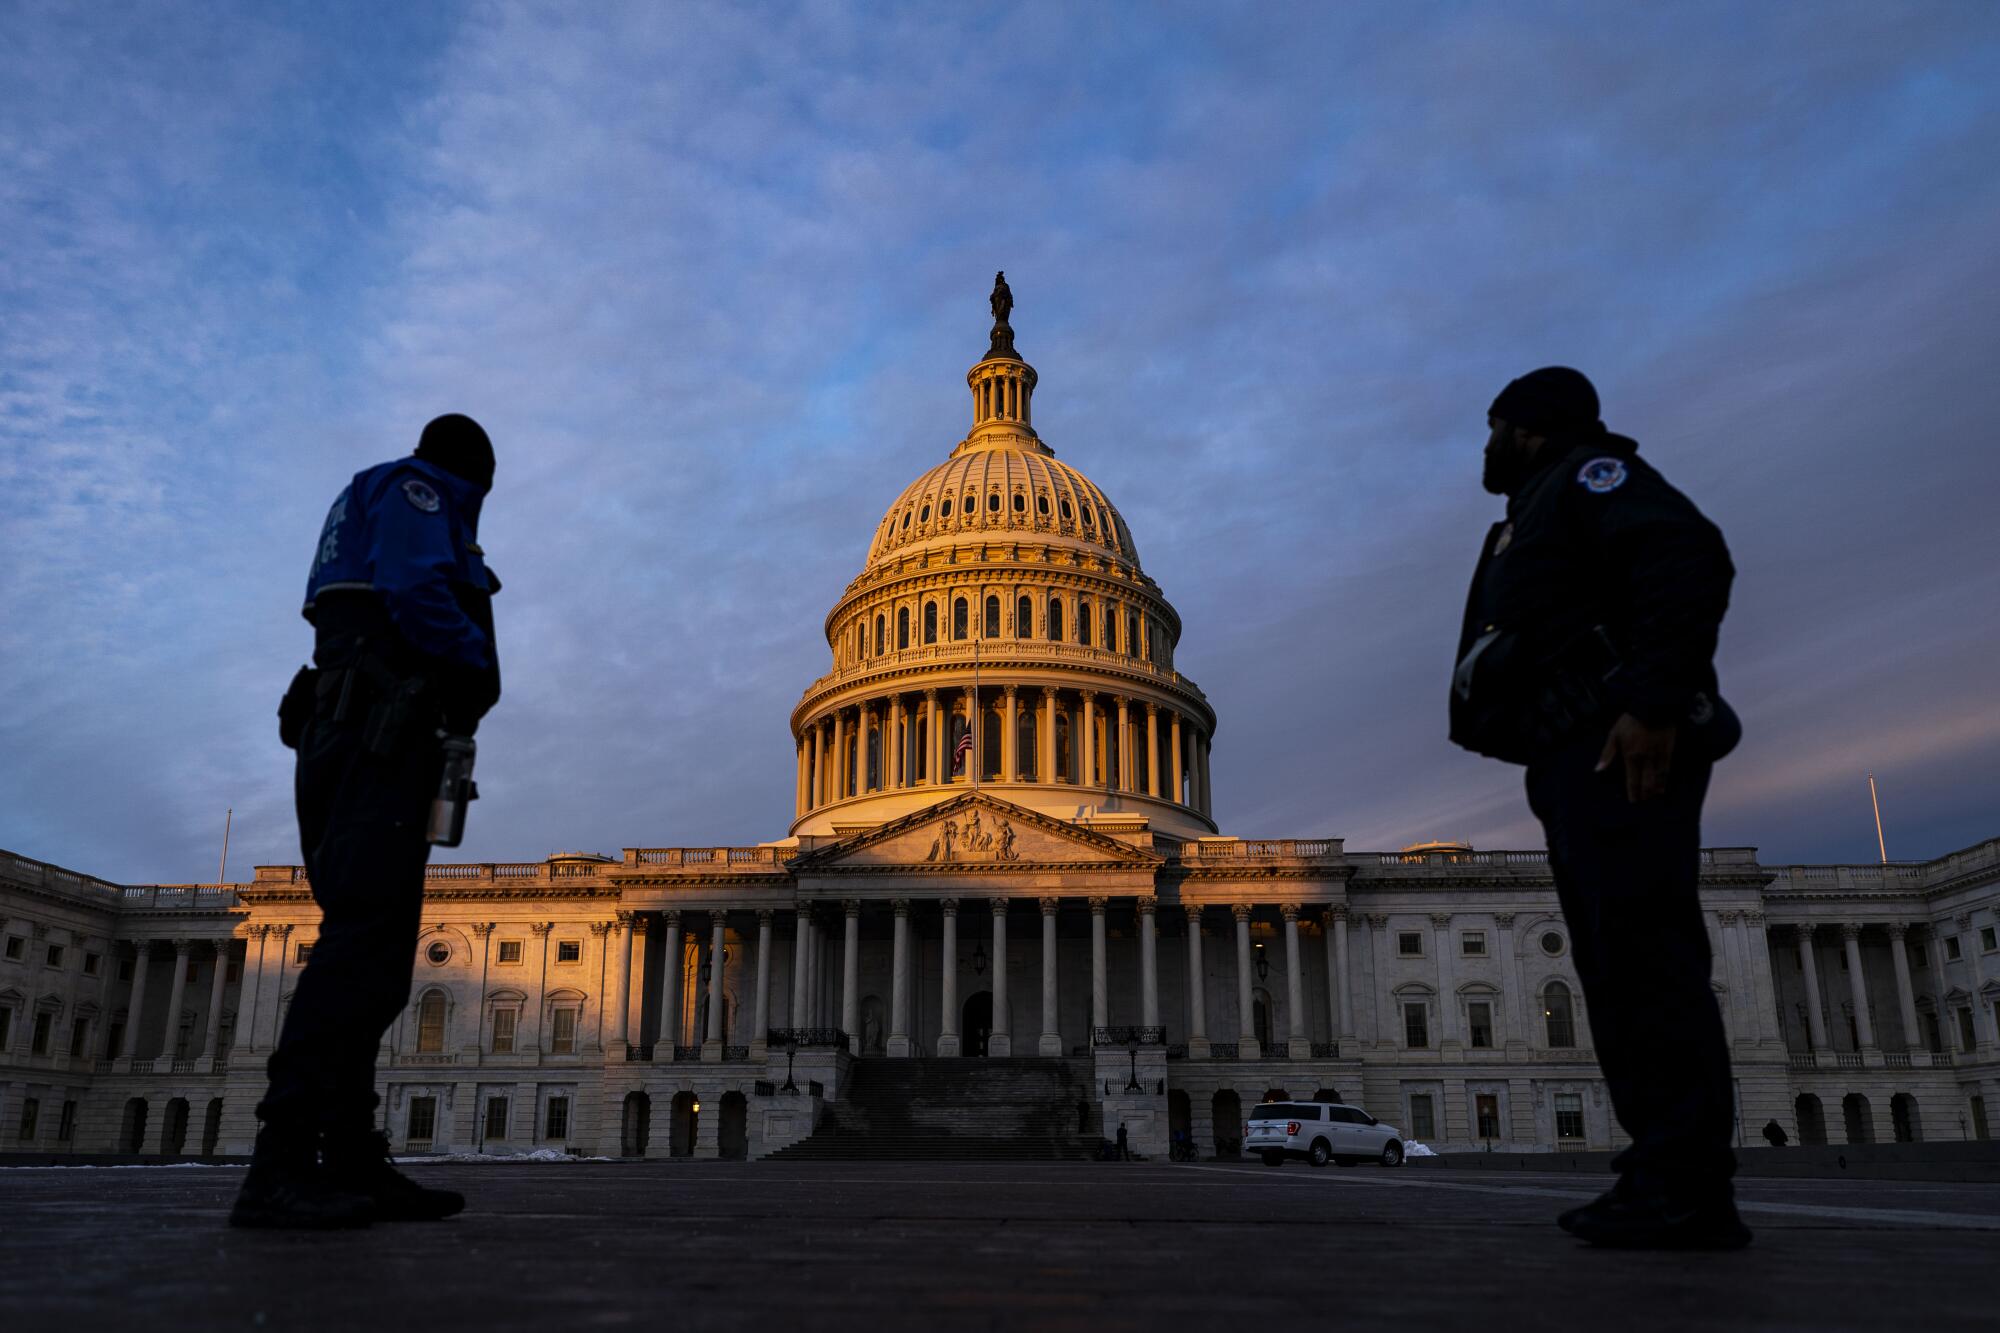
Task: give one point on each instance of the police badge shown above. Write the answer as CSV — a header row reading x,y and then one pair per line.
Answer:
x,y
1600,476
421,496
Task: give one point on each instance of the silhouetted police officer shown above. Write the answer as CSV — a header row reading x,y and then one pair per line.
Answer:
x,y
1587,655
399,599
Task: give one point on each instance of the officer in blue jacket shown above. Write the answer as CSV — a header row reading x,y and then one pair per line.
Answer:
x,y
1587,654
400,601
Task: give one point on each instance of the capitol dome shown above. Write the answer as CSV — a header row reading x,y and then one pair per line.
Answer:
x,y
1003,586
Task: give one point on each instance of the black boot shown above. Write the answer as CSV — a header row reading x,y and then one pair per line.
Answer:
x,y
1651,1220
286,1188
359,1161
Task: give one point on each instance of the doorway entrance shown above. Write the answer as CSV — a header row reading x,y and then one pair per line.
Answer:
x,y
975,1022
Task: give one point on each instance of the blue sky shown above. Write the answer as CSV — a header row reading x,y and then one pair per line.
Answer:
x,y
711,276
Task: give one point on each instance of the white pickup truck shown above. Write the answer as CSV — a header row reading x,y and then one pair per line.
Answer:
x,y
1320,1132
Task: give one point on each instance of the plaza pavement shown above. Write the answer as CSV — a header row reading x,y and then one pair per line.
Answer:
x,y
1111,1246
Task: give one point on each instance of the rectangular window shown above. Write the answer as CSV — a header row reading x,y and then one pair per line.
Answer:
x,y
1479,1017
510,951
430,1024
66,1123
90,963
31,1110
1416,1027
562,1032
1486,1114
79,1033
44,1025
1423,1117
56,952
558,1124
1933,1036
496,1117
6,1026
16,946
1966,1039
503,1030
303,952
569,951
1951,951
115,1040
1472,944
1986,940
1569,1115
1410,943
423,1119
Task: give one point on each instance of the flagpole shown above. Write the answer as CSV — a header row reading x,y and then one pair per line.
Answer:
x,y
222,875
1876,801
978,718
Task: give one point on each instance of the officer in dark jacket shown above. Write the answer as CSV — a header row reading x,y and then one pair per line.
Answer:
x,y
400,602
1587,655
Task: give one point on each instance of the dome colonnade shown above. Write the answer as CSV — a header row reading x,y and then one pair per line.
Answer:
x,y
1003,632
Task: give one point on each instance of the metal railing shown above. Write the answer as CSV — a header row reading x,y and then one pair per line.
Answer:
x,y
687,1053
736,1052
1222,1050
184,1064
1128,1036
1326,1050
802,1037
638,1055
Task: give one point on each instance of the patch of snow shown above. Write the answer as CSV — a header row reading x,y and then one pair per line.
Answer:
x,y
1411,1148
538,1155
121,1166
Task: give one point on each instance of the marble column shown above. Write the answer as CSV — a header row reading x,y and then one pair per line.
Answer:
x,y
1152,750
841,768
176,995
1336,975
1051,1043
1246,1013
934,742
1000,1041
1906,996
621,1016
975,758
212,1038
948,1039
893,747
822,782
1149,964
1100,987
801,945
673,976
253,983
135,1004
1300,1045
760,1025
1089,739
899,983
1815,1013
1197,988
800,802
1045,738
711,1046
850,975
1516,1005
1763,983
1177,770
1447,1005
1010,736
1857,985
1125,771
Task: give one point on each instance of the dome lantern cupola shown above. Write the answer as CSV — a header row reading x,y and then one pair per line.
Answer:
x,y
1002,384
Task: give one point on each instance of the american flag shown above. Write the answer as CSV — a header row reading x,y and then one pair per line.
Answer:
x,y
964,748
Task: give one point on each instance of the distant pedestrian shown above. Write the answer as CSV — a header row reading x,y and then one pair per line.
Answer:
x,y
1124,1145
1586,655
1774,1134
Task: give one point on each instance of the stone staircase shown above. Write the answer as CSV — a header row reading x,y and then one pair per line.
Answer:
x,y
958,1109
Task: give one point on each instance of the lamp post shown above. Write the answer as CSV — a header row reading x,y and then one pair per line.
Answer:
x,y
791,1054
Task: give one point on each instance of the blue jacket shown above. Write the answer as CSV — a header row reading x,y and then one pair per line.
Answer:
x,y
407,531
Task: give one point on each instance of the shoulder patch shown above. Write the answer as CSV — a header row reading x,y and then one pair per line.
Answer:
x,y
421,496
1601,476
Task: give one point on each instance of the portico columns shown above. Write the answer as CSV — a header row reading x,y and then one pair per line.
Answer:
x,y
948,1040
1864,1025
1051,1043
760,1028
1045,738
934,741
1089,739
213,1036
1815,1015
892,745
135,1005
799,800
1149,965
999,1042
1010,737
1336,975
1906,999
1197,989
1300,1046
175,996
821,782
1125,775
850,973
711,1046
975,758
672,976
840,767
801,942
1100,989
1176,772
899,984
1152,749
1246,1015
621,1016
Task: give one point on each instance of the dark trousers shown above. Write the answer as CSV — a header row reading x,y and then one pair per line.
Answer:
x,y
1626,876
361,826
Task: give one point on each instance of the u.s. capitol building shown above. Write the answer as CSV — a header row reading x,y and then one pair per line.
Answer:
x,y
1002,894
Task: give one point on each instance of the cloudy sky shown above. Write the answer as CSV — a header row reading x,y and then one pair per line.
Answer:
x,y
711,276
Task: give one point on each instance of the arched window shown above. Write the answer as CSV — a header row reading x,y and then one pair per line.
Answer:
x,y
861,640
1556,1013
902,627
944,508
1132,634
930,622
1083,621
1020,503
881,634
1026,746
993,502
430,1023
1110,630
959,624
1024,617
992,630
1055,620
